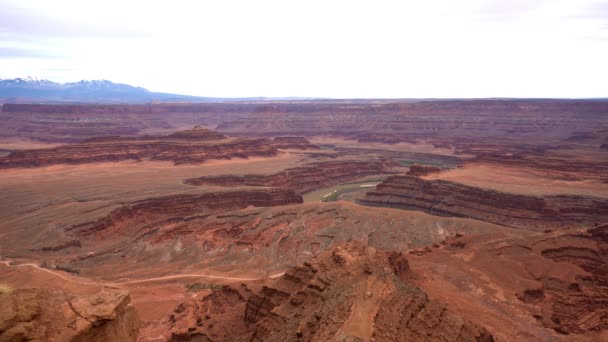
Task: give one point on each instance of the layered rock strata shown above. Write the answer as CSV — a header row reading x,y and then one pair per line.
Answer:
x,y
138,217
350,292
297,143
418,170
31,314
304,178
193,146
401,120
441,197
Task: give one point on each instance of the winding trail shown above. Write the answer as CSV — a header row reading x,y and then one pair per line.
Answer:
x,y
145,280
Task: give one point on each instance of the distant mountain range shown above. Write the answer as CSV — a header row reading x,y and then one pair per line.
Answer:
x,y
32,89
40,90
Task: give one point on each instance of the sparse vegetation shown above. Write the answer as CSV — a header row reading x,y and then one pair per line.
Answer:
x,y
334,196
195,287
438,163
5,289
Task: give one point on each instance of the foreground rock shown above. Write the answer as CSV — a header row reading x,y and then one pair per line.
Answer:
x,y
191,146
48,315
441,197
348,293
546,287
304,178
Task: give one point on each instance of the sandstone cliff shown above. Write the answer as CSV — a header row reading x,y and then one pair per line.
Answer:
x,y
555,280
348,293
298,143
304,178
138,218
191,146
49,315
418,170
440,197
371,120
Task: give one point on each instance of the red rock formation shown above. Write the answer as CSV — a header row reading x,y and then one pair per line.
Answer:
x,y
31,314
440,197
554,167
298,143
405,156
350,292
304,178
556,280
191,146
418,170
400,120
191,319
139,217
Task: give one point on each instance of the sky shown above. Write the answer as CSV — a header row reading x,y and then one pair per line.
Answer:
x,y
340,49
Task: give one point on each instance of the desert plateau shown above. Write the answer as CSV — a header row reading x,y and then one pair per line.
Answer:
x,y
211,230
276,171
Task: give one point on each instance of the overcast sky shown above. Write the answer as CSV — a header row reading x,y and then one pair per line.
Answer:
x,y
408,49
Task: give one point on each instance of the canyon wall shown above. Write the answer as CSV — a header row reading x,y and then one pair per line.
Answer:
x,y
138,218
185,147
372,120
304,178
440,197
350,292
32,314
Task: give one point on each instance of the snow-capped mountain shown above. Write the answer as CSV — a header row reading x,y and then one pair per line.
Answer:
x,y
28,82
32,88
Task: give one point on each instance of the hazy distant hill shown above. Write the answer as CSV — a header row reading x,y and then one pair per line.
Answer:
x,y
31,88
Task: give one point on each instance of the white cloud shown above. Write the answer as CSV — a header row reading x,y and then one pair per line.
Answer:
x,y
426,48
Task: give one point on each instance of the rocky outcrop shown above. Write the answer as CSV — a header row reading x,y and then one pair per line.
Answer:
x,y
405,157
418,170
190,320
580,306
563,168
556,280
399,120
191,146
297,143
440,197
138,218
32,314
304,178
351,292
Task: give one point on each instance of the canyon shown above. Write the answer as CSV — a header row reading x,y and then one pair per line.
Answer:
x,y
348,292
399,120
191,146
304,178
310,220
440,197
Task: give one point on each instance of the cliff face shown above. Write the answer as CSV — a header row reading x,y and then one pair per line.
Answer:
x,y
139,218
371,120
556,280
350,292
418,170
192,146
47,315
298,143
303,178
440,197
554,167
